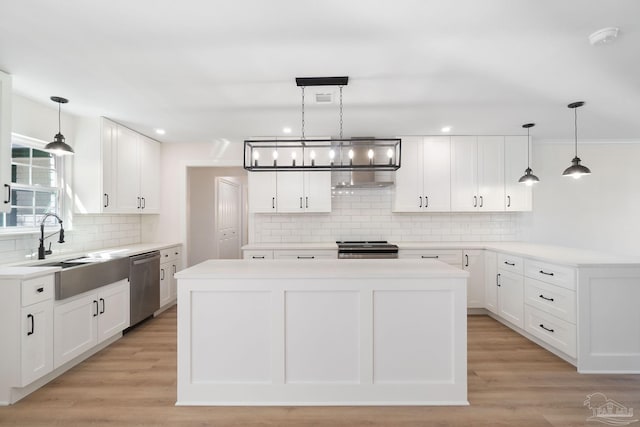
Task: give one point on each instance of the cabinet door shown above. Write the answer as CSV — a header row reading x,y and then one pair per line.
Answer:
x,y
491,173
436,168
517,195
473,262
149,175
291,192
511,298
317,191
36,341
166,270
464,173
408,191
109,140
5,141
113,305
177,266
262,192
491,281
75,328
128,176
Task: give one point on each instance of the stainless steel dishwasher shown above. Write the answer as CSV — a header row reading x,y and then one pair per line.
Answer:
x,y
144,282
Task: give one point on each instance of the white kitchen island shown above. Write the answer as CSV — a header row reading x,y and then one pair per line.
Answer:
x,y
322,332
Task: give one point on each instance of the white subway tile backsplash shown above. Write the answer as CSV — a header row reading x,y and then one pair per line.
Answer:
x,y
366,214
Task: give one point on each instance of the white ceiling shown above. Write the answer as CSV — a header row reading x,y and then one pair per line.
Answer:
x,y
206,70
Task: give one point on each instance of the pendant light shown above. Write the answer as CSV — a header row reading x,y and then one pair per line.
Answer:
x,y
528,178
58,146
576,170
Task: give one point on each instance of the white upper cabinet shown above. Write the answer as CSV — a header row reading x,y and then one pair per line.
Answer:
x,y
477,173
262,192
116,170
517,195
5,141
423,181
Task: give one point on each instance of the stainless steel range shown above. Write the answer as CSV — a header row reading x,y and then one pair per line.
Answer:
x,y
367,250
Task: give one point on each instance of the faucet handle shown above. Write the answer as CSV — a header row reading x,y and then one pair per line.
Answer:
x,y
48,251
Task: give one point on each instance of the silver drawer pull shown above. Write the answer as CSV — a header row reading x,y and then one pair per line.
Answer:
x,y
546,329
545,298
544,272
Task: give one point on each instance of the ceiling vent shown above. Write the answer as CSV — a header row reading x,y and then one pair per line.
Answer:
x,y
324,98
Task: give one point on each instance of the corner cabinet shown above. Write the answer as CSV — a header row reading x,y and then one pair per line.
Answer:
x,y
423,181
116,170
5,141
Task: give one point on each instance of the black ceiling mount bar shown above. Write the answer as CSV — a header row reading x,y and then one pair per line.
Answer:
x,y
322,81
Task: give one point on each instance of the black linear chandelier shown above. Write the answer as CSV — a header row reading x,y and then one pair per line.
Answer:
x,y
322,154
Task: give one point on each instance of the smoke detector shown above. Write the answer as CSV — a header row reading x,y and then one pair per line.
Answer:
x,y
604,36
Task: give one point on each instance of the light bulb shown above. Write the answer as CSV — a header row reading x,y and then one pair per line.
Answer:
x,y
293,158
313,157
351,154
275,155
390,153
332,154
370,154
256,156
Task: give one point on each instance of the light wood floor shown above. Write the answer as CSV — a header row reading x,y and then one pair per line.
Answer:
x,y
512,382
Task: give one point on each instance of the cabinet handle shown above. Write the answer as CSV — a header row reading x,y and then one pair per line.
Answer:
x,y
546,329
426,201
138,202
40,290
512,264
257,257
306,202
177,253
544,272
162,274
543,297
429,256
475,201
306,257
106,200
498,280
103,305
144,202
467,260
300,202
96,303
508,201
481,201
273,203
175,269
33,324
420,202
8,199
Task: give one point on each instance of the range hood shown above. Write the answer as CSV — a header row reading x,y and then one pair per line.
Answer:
x,y
362,178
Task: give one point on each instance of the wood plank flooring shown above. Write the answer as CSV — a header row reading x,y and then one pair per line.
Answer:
x,y
512,382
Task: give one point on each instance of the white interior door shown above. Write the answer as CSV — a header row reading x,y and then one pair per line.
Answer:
x,y
228,200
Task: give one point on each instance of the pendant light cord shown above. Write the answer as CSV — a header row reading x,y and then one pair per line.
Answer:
x,y
528,150
340,112
575,127
59,113
302,112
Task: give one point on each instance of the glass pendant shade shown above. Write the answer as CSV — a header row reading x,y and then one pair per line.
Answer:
x,y
58,146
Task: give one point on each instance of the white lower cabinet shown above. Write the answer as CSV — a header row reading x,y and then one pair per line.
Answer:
x,y
452,257
491,281
511,297
165,283
36,342
171,263
301,254
83,321
555,332
473,262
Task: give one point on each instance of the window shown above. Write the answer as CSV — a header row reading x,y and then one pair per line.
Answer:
x,y
36,184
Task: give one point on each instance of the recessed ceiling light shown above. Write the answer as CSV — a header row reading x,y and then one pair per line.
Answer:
x,y
286,130
604,36
446,129
160,131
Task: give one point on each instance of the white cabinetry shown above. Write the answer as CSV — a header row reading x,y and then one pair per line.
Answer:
x,y
517,195
83,321
511,297
477,173
452,257
263,192
423,181
116,170
301,254
473,262
26,331
491,281
5,141
170,264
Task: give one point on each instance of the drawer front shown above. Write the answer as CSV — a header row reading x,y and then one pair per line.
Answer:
x,y
555,332
551,299
451,257
257,254
167,255
306,255
511,263
37,290
551,273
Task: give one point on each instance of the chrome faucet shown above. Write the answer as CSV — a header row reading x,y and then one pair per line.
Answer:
x,y
41,251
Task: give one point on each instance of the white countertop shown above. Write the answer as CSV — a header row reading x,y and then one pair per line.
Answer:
x,y
321,269
25,272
